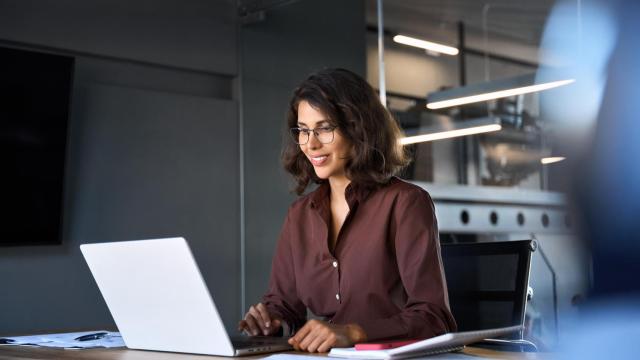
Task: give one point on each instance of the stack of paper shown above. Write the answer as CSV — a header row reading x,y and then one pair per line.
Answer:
x,y
436,345
103,339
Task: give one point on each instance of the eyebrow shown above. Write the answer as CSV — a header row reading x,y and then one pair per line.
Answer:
x,y
320,123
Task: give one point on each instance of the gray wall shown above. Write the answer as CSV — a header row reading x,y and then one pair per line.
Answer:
x,y
194,34
152,148
162,95
277,54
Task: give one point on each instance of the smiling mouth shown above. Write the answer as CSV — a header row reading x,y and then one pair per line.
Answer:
x,y
318,160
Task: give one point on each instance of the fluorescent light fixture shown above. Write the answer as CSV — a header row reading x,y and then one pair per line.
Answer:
x,y
490,90
551,160
427,45
466,128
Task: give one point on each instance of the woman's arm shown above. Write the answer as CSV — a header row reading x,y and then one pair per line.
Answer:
x,y
281,299
426,312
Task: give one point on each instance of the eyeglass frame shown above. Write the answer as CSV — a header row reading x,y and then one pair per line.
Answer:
x,y
315,133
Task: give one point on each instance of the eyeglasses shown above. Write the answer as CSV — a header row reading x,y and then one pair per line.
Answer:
x,y
324,134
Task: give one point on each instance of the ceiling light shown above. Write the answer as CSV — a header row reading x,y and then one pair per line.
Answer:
x,y
466,128
551,160
490,90
427,45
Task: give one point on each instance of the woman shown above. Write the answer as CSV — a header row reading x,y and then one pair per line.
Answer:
x,y
360,251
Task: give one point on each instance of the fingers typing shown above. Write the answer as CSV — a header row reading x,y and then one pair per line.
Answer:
x,y
258,321
264,315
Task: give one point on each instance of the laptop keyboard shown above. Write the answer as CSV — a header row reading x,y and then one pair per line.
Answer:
x,y
243,342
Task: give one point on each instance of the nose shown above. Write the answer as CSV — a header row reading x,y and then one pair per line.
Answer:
x,y
313,143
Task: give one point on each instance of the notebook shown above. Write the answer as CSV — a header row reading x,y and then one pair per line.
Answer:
x,y
159,300
436,345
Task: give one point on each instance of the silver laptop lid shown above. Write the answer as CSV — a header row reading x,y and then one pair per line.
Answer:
x,y
157,296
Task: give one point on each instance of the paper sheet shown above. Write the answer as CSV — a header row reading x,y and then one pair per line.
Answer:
x,y
290,357
66,340
447,356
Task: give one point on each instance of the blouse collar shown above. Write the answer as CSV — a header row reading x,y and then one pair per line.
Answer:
x,y
353,193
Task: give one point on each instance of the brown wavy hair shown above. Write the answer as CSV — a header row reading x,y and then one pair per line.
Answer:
x,y
351,105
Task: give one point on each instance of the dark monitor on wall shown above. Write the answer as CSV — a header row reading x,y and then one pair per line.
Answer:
x,y
488,282
35,93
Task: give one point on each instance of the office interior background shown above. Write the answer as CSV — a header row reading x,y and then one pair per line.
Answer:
x,y
177,119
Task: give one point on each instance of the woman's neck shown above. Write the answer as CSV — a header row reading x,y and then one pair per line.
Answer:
x,y
338,186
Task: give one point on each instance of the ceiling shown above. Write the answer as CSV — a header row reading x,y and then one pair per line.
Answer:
x,y
519,20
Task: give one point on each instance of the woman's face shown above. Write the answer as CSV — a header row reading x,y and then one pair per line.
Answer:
x,y
328,160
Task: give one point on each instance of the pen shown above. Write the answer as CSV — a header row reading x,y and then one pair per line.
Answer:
x,y
94,336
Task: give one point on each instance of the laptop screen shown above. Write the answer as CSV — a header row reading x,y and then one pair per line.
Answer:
x,y
487,283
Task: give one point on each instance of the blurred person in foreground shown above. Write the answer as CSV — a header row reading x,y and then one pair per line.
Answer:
x,y
606,193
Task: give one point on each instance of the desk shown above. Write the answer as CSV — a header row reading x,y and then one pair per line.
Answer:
x,y
23,353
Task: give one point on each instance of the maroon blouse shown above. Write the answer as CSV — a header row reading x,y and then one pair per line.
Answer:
x,y
385,273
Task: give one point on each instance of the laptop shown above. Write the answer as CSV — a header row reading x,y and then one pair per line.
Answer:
x,y
159,300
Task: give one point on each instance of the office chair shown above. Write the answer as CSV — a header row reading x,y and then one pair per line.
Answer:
x,y
488,284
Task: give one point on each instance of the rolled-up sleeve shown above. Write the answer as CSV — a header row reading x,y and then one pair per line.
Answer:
x,y
426,311
281,298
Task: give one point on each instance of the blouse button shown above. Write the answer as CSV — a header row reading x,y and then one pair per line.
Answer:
x,y
338,297
335,264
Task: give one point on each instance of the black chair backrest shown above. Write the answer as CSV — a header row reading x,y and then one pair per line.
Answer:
x,y
488,283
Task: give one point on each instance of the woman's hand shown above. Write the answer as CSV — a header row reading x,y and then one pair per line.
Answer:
x,y
319,336
258,321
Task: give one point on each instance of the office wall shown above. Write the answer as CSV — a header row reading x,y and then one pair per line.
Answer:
x,y
195,35
154,138
153,148
276,55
